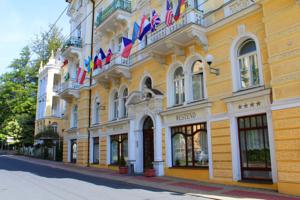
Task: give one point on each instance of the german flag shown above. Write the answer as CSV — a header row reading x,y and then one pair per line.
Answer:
x,y
180,9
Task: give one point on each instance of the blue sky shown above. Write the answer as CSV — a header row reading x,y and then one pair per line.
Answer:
x,y
20,20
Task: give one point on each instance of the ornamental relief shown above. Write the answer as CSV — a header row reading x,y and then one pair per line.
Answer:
x,y
249,105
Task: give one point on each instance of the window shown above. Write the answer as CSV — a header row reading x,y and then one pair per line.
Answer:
x,y
97,112
115,105
248,64
124,99
189,145
197,80
119,148
179,86
254,147
96,150
148,83
54,127
75,117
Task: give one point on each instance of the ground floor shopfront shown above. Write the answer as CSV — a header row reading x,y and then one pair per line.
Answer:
x,y
190,142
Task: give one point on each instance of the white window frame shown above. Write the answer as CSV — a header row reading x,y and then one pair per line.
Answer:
x,y
96,116
237,42
74,118
182,92
202,84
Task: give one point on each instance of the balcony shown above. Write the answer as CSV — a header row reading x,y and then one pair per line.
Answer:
x,y
114,16
225,11
69,90
72,47
116,69
171,39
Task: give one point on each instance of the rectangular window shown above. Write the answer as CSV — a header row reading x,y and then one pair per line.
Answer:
x,y
189,145
119,148
254,147
96,150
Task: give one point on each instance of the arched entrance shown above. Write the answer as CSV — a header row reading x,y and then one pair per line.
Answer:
x,y
148,144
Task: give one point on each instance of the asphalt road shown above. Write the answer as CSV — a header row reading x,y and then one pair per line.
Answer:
x,y
27,181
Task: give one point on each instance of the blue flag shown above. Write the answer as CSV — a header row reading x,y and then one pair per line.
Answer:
x,y
135,32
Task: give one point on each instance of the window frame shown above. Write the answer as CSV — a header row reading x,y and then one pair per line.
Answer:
x,y
124,100
263,127
247,57
75,116
181,89
120,139
193,74
185,135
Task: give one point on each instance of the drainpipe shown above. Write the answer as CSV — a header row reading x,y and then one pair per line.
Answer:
x,y
91,81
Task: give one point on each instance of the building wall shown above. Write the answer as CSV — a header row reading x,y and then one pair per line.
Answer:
x,y
278,44
283,42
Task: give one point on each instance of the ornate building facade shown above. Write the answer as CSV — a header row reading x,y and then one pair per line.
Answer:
x,y
214,97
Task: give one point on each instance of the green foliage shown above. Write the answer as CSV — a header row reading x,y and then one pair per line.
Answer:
x,y
18,88
122,162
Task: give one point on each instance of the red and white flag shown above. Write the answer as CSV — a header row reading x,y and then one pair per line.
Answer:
x,y
169,14
81,73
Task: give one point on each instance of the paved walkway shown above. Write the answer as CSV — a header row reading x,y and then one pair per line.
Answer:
x,y
211,191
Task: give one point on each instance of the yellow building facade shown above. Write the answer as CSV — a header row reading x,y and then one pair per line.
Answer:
x,y
214,97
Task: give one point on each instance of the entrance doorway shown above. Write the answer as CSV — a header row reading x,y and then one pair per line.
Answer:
x,y
148,144
73,151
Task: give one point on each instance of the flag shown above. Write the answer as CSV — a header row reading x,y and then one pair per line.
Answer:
x,y
86,65
108,56
169,14
180,9
135,32
91,64
101,58
95,62
155,20
127,45
145,27
81,73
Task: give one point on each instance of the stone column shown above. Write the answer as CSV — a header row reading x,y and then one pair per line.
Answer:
x,y
158,161
131,143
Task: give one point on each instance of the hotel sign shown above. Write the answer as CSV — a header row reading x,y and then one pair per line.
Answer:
x,y
186,116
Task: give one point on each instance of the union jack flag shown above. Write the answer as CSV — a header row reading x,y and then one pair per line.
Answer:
x,y
169,14
155,21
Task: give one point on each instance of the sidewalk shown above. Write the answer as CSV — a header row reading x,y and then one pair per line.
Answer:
x,y
212,191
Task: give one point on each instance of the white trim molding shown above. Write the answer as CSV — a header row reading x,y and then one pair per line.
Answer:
x,y
286,103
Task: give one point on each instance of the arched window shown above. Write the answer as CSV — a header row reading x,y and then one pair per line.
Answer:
x,y
97,112
248,64
115,105
179,86
75,116
197,80
148,83
124,99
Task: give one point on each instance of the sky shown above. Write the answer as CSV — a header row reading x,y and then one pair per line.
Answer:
x,y
20,20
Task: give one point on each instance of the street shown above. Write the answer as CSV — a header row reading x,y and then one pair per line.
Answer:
x,y
23,180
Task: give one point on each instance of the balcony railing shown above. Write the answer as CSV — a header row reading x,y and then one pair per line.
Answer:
x,y
72,42
117,60
227,9
124,5
72,85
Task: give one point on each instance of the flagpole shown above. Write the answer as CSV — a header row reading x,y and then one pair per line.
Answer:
x,y
91,82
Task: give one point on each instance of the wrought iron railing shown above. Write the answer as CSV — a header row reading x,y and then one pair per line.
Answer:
x,y
124,5
72,42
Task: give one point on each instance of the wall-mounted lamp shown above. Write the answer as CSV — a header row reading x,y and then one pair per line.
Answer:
x,y
98,103
209,60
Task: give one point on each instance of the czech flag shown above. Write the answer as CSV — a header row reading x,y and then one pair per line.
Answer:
x,y
145,27
108,56
81,73
127,45
180,9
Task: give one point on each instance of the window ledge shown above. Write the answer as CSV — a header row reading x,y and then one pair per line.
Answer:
x,y
258,181
247,94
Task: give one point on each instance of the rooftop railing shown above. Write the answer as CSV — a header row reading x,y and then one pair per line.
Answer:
x,y
124,5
